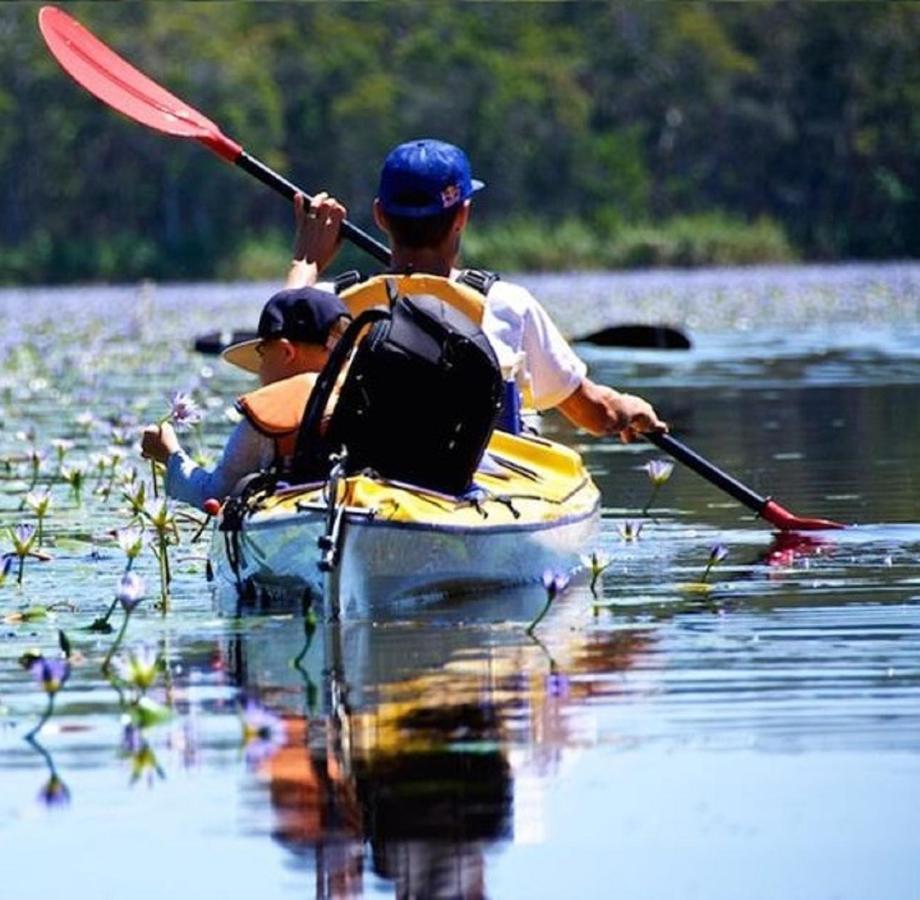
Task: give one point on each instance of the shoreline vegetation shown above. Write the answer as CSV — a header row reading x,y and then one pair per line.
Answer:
x,y
531,245
517,244
610,136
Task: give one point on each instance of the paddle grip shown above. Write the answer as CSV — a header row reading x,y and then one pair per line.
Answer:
x,y
276,182
722,480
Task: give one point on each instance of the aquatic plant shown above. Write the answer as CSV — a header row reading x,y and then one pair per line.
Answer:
x,y
139,667
23,537
554,582
51,675
131,541
137,748
716,555
135,496
596,563
183,411
39,502
54,793
130,592
161,517
629,530
658,471
74,476
62,446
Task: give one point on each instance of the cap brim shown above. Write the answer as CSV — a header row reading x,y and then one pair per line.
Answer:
x,y
476,184
244,355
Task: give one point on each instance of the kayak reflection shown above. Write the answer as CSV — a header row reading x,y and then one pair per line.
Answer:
x,y
407,768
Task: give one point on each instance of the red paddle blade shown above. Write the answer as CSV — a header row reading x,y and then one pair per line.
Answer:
x,y
786,521
117,83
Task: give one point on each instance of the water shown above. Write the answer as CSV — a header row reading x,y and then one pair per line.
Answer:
x,y
756,739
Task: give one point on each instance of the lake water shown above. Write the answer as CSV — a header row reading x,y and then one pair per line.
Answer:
x,y
758,739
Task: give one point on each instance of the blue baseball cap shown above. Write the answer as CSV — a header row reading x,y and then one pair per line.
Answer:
x,y
425,177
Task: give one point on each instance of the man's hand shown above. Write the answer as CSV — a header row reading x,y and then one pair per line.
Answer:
x,y
602,410
317,237
159,442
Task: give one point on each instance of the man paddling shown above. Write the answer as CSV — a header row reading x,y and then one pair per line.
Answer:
x,y
297,330
423,205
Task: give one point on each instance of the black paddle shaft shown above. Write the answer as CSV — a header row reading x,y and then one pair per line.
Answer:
x,y
722,480
284,187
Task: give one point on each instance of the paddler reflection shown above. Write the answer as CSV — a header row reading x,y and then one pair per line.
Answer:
x,y
405,772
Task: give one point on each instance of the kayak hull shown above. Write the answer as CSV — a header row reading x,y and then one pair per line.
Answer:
x,y
397,544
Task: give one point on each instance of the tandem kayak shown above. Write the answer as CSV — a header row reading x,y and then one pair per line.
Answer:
x,y
361,543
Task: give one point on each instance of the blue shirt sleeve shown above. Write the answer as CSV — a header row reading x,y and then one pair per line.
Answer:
x,y
245,452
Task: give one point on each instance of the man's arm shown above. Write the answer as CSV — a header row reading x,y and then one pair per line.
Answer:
x,y
317,238
601,410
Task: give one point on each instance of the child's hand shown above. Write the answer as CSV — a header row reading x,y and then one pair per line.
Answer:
x,y
158,442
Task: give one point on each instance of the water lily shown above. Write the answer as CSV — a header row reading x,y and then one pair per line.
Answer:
x,y
51,674
74,476
716,555
658,471
131,541
554,582
183,411
595,563
54,793
23,537
139,667
630,530
84,420
39,502
61,447
131,590
161,516
136,498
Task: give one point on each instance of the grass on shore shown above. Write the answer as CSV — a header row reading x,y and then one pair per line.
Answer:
x,y
513,245
527,245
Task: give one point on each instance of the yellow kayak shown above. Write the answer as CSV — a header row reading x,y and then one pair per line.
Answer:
x,y
361,543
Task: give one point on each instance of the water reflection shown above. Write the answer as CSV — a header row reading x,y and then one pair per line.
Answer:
x,y
405,771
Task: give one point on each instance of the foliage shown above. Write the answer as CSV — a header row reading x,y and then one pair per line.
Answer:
x,y
659,124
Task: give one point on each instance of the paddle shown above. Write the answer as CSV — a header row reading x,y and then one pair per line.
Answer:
x,y
652,337
117,83
114,81
765,507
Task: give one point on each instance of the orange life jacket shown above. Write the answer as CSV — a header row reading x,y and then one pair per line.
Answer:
x,y
275,410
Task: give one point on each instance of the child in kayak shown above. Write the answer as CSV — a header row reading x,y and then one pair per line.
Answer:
x,y
297,330
423,205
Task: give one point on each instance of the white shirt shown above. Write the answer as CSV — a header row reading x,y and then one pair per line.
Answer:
x,y
515,324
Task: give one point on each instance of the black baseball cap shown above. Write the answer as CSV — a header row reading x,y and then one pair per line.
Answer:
x,y
305,315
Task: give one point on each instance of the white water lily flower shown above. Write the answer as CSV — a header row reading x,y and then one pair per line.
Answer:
x,y
39,502
131,541
658,471
139,666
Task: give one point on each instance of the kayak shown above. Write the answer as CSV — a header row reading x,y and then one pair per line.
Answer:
x,y
360,543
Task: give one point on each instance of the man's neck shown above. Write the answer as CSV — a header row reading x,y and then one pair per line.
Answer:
x,y
424,260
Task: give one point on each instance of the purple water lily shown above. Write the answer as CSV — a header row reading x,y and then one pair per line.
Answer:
x,y
555,582
716,555
51,674
54,793
183,410
658,471
131,590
